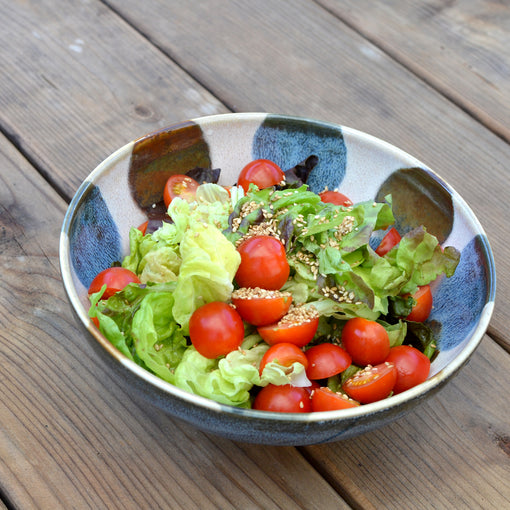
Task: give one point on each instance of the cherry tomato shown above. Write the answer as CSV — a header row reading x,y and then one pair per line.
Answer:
x,y
143,227
366,341
413,367
115,279
283,399
261,307
179,185
326,360
298,327
423,306
336,198
263,263
261,172
215,329
323,399
391,239
372,383
285,354
313,386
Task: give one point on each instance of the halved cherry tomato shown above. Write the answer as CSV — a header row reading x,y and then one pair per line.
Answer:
x,y
215,329
283,399
143,227
391,239
261,172
115,279
413,367
179,185
298,327
285,354
335,197
423,306
260,306
372,383
366,341
326,360
323,399
263,263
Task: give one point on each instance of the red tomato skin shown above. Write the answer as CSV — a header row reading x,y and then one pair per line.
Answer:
x,y
283,399
323,399
286,354
423,306
391,239
215,329
143,227
262,311
179,185
297,334
326,360
115,279
372,383
413,367
261,172
263,263
335,197
366,341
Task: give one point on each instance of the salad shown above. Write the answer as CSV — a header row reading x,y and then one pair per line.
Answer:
x,y
269,296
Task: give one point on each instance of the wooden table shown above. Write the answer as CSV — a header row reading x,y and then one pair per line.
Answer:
x,y
80,78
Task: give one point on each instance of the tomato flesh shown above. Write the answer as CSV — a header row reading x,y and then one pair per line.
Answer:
x,y
115,279
215,329
285,354
323,399
413,367
336,198
263,263
391,239
261,172
289,330
283,399
260,311
372,383
423,304
326,360
179,185
366,341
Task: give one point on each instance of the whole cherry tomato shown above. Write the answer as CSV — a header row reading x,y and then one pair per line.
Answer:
x,y
326,360
263,263
366,341
115,279
323,399
413,367
283,399
423,305
261,172
215,329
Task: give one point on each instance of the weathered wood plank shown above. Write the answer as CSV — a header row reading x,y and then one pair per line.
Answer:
x,y
451,452
306,62
461,48
77,83
70,435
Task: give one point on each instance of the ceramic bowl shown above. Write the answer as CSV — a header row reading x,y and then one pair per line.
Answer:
x,y
120,191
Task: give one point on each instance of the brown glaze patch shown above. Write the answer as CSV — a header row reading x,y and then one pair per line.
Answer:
x,y
157,156
419,199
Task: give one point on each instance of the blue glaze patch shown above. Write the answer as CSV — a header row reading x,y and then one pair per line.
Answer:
x,y
94,238
459,300
288,142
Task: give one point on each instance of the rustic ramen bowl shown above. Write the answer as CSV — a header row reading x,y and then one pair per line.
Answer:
x,y
119,193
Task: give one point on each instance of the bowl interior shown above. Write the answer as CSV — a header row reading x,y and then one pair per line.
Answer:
x,y
127,188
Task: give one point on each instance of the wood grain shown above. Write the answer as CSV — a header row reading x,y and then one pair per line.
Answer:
x,y
455,447
461,48
78,83
71,435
